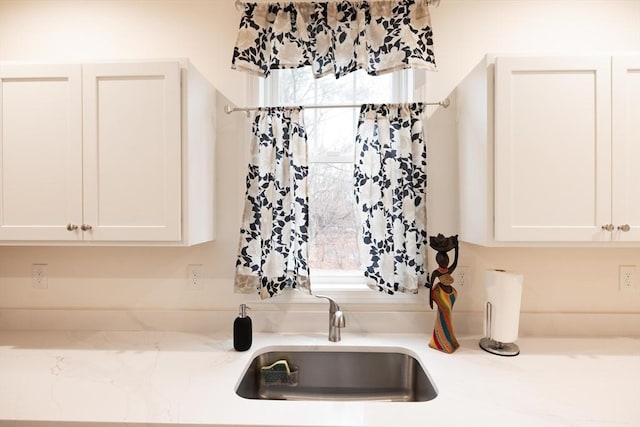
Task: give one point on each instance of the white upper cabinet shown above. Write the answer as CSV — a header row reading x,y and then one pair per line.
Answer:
x,y
40,151
131,133
626,147
555,153
552,148
106,153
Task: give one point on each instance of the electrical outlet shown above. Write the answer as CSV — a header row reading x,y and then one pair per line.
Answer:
x,y
39,276
194,277
628,278
461,276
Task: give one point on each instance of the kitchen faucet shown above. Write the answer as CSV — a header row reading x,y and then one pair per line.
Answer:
x,y
336,319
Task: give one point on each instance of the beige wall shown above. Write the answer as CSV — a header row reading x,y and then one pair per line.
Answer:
x,y
556,280
74,30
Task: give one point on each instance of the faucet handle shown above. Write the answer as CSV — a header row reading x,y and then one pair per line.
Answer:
x,y
339,320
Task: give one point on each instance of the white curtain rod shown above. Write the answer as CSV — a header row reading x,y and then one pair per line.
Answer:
x,y
229,109
240,3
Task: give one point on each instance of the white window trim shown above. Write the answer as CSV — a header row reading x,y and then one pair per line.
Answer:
x,y
345,288
351,287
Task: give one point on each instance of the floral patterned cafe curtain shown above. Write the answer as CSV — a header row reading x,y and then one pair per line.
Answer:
x,y
390,188
273,251
337,38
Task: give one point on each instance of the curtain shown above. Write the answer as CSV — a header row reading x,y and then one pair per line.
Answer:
x,y
390,189
335,37
272,253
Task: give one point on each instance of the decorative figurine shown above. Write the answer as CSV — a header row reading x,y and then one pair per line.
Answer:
x,y
443,293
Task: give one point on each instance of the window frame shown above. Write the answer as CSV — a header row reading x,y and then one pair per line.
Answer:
x,y
349,287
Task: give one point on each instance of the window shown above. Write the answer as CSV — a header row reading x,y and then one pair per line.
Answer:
x,y
333,244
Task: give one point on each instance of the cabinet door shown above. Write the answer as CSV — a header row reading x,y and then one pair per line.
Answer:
x,y
626,147
40,152
132,151
552,149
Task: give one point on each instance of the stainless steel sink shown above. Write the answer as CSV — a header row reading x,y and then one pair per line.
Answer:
x,y
381,375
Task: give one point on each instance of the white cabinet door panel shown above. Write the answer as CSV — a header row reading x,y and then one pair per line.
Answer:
x,y
132,157
40,152
626,147
552,149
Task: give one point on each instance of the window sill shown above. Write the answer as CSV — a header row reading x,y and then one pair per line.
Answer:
x,y
350,287
349,290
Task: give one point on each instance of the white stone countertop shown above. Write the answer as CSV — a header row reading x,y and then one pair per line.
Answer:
x,y
159,378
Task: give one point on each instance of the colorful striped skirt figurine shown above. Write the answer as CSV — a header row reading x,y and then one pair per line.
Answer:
x,y
444,295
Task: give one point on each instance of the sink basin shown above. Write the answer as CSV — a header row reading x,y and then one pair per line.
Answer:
x,y
378,375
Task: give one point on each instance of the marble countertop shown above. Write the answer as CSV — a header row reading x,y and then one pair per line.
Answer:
x,y
159,378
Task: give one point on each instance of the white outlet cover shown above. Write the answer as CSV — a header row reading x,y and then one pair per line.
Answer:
x,y
628,278
39,278
194,277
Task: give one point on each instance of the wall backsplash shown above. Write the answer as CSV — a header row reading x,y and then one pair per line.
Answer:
x,y
557,280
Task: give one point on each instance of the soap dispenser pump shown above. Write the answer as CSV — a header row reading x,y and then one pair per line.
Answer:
x,y
242,330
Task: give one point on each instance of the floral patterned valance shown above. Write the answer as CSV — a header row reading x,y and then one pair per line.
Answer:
x,y
378,36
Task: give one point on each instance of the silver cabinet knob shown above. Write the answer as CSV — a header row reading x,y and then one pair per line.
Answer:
x,y
624,227
72,227
85,227
608,227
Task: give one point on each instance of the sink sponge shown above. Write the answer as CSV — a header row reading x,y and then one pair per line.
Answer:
x,y
279,373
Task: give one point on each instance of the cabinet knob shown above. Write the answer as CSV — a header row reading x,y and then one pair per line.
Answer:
x,y
72,227
608,227
85,227
624,227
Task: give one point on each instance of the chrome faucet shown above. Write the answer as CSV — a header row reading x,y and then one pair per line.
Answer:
x,y
336,319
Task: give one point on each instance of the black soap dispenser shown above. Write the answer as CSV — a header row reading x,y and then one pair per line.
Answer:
x,y
242,331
